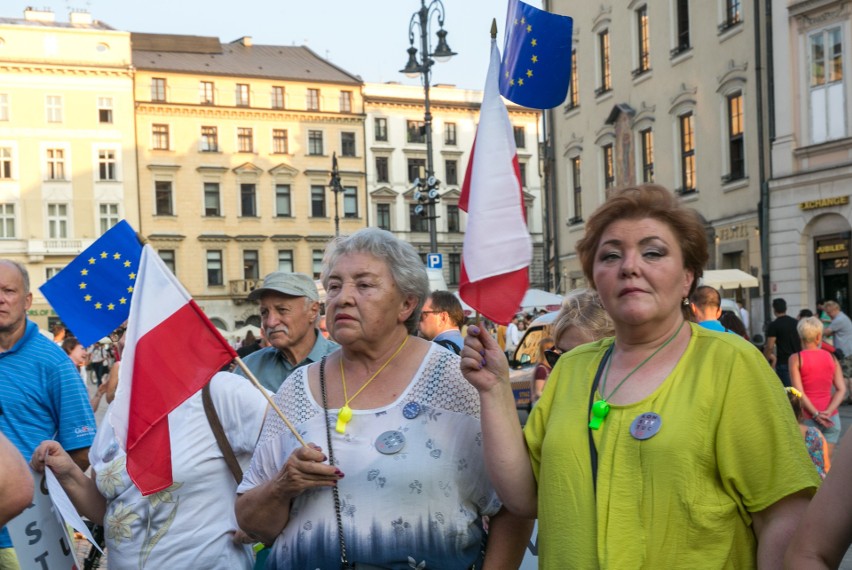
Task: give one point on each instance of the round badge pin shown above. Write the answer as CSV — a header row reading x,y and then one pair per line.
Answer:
x,y
646,425
411,410
390,442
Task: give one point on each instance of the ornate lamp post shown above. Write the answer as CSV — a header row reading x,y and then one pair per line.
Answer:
x,y
427,187
335,186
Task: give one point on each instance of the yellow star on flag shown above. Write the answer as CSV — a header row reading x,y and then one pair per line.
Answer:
x,y
110,307
83,285
130,289
535,59
87,298
516,21
132,276
534,42
127,264
523,20
91,261
123,301
116,255
511,82
84,272
529,28
529,73
98,305
520,81
104,255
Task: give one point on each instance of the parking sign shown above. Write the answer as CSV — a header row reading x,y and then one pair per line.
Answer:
x,y
434,261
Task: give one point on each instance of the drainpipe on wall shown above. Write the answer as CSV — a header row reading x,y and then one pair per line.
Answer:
x,y
551,200
763,203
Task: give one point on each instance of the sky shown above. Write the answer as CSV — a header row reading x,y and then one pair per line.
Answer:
x,y
369,38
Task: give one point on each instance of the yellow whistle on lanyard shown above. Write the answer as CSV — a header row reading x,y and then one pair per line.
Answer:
x,y
343,418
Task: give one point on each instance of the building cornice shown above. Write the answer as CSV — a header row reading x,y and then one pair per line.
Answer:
x,y
35,68
245,113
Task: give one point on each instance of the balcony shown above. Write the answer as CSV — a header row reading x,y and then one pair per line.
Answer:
x,y
37,248
240,288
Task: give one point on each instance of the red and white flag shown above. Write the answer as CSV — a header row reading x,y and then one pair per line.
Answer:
x,y
171,351
497,246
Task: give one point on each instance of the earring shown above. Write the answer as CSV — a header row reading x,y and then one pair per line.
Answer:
x,y
686,301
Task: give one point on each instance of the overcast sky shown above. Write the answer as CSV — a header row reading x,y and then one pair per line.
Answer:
x,y
364,38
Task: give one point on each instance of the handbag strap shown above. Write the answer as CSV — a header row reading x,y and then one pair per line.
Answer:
x,y
219,434
593,451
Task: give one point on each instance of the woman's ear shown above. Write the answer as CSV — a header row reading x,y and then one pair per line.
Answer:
x,y
408,306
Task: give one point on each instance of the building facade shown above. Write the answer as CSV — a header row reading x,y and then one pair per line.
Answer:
x,y
235,146
397,155
811,184
662,92
67,148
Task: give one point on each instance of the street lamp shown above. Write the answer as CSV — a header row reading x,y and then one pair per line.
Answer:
x,y
336,187
427,186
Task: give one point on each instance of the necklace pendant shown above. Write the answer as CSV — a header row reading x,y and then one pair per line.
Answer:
x,y
600,410
343,418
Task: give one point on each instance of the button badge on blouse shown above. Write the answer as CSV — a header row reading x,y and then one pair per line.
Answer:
x,y
411,410
646,425
390,442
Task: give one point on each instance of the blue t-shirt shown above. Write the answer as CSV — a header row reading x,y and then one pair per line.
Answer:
x,y
42,397
713,325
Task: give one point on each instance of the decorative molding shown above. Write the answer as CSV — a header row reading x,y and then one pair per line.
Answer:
x,y
804,11
283,171
163,167
604,135
384,192
250,237
248,169
603,18
160,110
645,114
278,238
684,97
734,73
214,237
27,68
319,238
574,146
207,169
165,237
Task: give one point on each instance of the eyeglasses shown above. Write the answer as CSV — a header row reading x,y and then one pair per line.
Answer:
x,y
424,313
551,355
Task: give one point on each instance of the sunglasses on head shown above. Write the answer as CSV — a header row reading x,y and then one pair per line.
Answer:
x,y
552,355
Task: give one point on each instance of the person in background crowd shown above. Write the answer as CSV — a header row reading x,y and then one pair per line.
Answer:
x,y
250,345
821,314
99,360
840,331
40,389
744,317
804,313
542,368
289,308
441,320
77,353
16,483
323,327
733,324
814,440
706,305
658,466
782,340
513,336
59,333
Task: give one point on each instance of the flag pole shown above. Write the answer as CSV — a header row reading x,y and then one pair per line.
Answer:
x,y
266,395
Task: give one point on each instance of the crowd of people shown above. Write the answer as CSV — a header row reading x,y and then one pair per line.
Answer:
x,y
403,448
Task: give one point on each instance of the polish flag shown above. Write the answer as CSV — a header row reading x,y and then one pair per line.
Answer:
x,y
497,246
171,351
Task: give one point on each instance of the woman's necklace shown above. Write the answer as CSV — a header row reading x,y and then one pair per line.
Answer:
x,y
345,413
600,408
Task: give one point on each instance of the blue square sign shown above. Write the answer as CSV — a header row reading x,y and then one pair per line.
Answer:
x,y
434,261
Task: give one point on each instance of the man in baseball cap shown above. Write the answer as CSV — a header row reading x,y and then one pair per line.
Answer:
x,y
289,307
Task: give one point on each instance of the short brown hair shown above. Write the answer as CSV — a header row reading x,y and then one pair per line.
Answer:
x,y
446,302
647,201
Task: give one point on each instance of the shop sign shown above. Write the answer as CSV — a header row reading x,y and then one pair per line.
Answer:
x,y
831,248
824,203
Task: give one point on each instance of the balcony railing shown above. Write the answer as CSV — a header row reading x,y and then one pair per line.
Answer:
x,y
242,287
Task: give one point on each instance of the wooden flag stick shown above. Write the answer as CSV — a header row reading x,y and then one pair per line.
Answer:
x,y
266,395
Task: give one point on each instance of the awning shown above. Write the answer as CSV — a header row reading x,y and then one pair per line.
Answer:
x,y
728,279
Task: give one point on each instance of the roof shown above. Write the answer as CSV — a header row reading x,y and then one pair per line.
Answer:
x,y
207,55
93,25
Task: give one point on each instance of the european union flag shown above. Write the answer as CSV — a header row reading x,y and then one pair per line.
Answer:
x,y
536,65
92,293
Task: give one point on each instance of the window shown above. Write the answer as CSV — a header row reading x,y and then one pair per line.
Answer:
x,y
520,137
57,221
383,216
455,268
381,129
55,164
285,260
53,106
205,93
243,98
453,219
280,143
104,109
251,264
350,202
418,222
282,201
315,143
163,198
5,163
245,142
248,200
682,27
577,191
313,100
382,169
50,272
827,107
212,202
522,171
416,168
345,101
605,77
158,89
214,267
416,131
646,137
318,201
733,14
277,97
347,144
160,136
4,107
687,153
573,87
107,216
107,165
608,165
450,134
643,38
316,262
168,257
209,139
7,221
451,169
736,145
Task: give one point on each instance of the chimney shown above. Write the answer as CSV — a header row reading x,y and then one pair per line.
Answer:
x,y
80,18
245,40
33,15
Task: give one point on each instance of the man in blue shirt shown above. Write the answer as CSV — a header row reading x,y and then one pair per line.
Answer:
x,y
441,320
41,394
706,304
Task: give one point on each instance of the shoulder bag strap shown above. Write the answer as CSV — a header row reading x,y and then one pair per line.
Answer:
x,y
593,451
219,434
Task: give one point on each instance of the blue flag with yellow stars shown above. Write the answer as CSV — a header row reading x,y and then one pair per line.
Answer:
x,y
92,293
536,66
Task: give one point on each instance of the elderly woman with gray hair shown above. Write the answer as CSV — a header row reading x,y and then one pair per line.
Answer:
x,y
390,411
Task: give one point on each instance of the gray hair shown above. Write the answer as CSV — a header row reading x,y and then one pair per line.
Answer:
x,y
402,259
25,275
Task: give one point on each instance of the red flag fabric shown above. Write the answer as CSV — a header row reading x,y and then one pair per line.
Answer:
x,y
171,351
497,246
